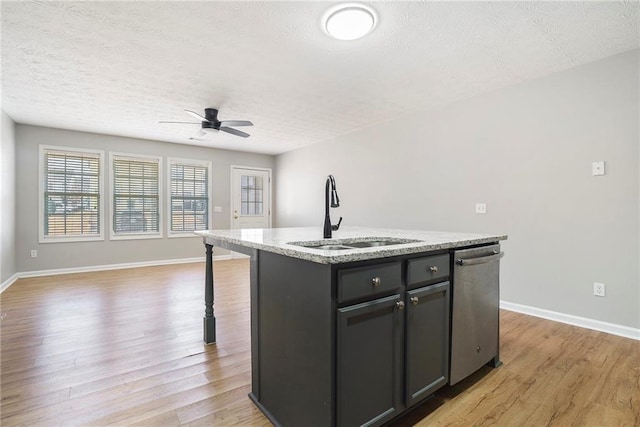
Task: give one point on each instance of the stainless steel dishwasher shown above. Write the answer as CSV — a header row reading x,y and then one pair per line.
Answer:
x,y
475,317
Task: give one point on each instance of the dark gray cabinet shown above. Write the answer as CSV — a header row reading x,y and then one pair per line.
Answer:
x,y
427,349
369,369
392,352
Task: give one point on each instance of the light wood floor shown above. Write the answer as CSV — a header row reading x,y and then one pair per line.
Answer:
x,y
125,347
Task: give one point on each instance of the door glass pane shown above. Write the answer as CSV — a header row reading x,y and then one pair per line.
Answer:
x,y
251,192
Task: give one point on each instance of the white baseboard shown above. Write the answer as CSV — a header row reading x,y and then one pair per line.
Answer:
x,y
87,269
90,268
583,322
10,281
221,257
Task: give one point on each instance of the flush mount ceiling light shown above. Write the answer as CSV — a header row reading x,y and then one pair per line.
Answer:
x,y
349,21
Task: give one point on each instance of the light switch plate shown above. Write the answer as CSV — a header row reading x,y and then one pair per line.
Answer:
x,y
481,208
597,168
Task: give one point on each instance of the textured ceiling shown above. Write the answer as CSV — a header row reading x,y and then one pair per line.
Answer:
x,y
119,67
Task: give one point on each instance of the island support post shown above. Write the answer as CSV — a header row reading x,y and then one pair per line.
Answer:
x,y
209,318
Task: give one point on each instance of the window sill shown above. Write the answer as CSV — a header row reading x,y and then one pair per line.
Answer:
x,y
134,236
70,239
181,235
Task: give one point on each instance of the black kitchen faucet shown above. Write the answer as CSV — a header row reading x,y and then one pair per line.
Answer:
x,y
335,202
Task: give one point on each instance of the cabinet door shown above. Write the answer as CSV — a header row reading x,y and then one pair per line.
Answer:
x,y
427,341
369,363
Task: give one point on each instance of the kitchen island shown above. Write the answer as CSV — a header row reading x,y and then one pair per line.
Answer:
x,y
356,329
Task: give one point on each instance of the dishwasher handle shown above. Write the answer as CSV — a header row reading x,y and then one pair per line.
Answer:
x,y
480,260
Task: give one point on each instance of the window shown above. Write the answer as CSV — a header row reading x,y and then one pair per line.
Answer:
x,y
71,194
189,195
136,196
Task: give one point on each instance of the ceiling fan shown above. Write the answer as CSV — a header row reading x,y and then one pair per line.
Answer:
x,y
210,123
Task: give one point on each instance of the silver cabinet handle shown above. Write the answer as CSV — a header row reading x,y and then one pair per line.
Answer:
x,y
400,305
433,269
376,281
415,300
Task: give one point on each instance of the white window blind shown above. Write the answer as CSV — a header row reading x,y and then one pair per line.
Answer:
x,y
189,197
136,202
72,199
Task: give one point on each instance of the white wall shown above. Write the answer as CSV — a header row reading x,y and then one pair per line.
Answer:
x,y
84,254
7,199
526,151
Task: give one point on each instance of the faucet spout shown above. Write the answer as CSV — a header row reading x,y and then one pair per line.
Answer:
x,y
331,199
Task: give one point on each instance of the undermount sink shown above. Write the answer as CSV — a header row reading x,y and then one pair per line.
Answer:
x,y
329,247
345,244
373,243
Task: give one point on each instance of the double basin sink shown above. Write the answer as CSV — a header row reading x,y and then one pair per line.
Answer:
x,y
346,244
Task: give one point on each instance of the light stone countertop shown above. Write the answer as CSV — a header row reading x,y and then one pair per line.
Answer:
x,y
279,240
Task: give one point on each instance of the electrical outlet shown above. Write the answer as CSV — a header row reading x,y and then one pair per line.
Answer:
x,y
34,253
598,289
481,208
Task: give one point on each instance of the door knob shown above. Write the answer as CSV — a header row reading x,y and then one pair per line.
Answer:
x,y
376,281
433,269
400,305
415,300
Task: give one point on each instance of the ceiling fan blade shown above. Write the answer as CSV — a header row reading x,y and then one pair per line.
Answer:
x,y
196,115
236,123
234,131
187,123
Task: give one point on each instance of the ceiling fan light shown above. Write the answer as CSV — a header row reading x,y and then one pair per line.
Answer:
x,y
349,21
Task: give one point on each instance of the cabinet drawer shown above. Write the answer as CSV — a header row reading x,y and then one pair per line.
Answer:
x,y
368,281
427,269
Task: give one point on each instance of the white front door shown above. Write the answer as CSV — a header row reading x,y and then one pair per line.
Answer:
x,y
250,197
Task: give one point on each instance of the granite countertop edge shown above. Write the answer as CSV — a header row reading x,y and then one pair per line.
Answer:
x,y
278,240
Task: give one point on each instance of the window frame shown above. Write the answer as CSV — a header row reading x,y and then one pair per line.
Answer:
x,y
135,235
42,238
206,163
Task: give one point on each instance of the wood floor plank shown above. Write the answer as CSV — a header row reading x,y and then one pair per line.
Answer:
x,y
124,347
233,378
